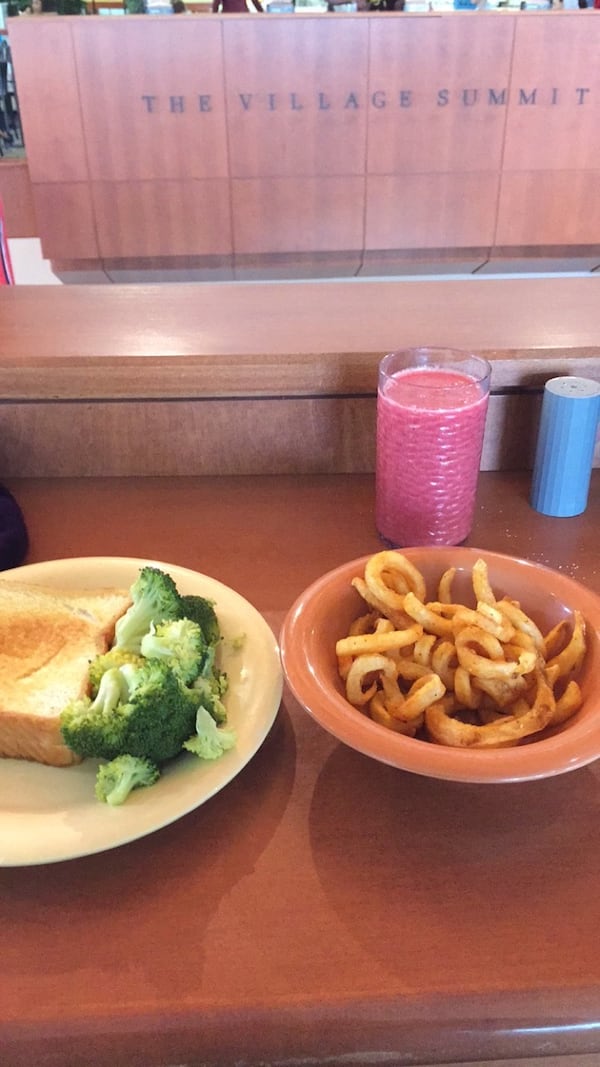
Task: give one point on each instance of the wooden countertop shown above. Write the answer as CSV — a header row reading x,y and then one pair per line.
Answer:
x,y
286,338
322,908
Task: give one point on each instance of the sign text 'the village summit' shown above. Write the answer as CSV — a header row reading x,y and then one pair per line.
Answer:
x,y
379,99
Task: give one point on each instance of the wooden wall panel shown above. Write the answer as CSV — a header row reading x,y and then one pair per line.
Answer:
x,y
549,207
411,211
178,130
384,262
283,266
144,218
553,118
296,95
297,214
313,435
66,222
265,379
48,88
17,198
310,136
197,437
434,78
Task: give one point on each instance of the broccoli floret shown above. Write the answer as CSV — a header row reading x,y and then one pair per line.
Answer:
x,y
210,741
115,780
154,599
220,681
201,610
82,719
210,690
115,657
143,711
209,669
180,644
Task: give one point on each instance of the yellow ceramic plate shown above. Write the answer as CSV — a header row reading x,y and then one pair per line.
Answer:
x,y
49,814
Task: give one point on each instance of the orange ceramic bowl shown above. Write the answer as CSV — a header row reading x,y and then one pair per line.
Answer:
x,y
323,613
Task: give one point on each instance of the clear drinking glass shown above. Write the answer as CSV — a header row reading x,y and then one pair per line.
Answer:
x,y
431,411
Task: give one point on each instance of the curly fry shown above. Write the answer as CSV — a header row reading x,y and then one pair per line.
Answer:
x,y
399,618
408,670
423,649
521,621
445,586
481,583
556,639
481,677
444,662
487,618
503,691
393,696
429,619
568,703
493,665
360,686
378,642
571,657
466,695
365,624
451,731
520,641
390,576
381,715
422,693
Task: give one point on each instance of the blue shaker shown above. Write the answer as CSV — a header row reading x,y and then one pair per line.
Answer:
x,y
565,446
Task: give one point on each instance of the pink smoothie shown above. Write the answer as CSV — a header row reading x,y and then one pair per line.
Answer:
x,y
430,425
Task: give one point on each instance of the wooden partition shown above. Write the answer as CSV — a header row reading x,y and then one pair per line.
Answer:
x,y
218,143
265,379
17,197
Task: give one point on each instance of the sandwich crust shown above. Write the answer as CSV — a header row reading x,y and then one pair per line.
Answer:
x,y
48,638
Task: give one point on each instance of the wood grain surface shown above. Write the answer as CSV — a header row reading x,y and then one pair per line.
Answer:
x,y
322,906
17,198
265,379
227,135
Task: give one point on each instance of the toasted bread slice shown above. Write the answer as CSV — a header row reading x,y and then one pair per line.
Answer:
x,y
47,639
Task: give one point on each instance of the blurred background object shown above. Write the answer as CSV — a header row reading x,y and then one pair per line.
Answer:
x,y
6,272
